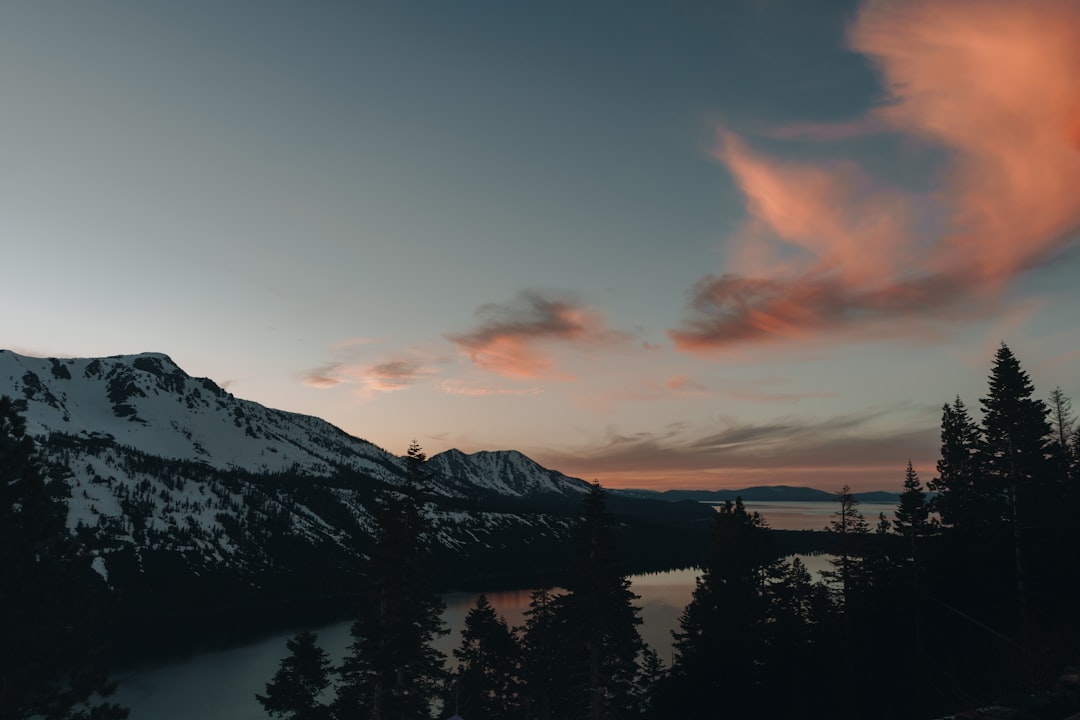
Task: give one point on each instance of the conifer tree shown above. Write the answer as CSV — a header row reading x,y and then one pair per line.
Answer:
x,y
1015,456
913,513
1061,418
298,685
720,643
967,499
545,648
50,598
800,647
600,617
851,531
392,671
485,685
852,583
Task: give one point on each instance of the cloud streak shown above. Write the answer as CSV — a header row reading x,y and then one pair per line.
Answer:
x,y
828,250
517,339
741,453
386,376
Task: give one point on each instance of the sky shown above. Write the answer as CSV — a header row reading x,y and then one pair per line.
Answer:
x,y
655,244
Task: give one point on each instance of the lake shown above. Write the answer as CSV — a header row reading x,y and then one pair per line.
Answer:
x,y
813,515
221,685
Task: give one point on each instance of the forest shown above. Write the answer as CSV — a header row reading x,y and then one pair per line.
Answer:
x,y
964,597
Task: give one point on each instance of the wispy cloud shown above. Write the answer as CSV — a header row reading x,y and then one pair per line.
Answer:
x,y
461,387
516,339
324,376
828,250
394,375
385,376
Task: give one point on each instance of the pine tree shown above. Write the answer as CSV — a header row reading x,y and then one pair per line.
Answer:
x,y
485,685
967,499
913,513
1015,456
721,639
295,691
1062,421
600,617
852,582
544,651
850,530
50,598
800,645
392,671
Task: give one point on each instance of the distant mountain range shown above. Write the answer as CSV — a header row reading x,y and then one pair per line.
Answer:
x,y
767,493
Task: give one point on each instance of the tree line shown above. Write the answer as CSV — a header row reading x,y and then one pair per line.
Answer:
x,y
967,593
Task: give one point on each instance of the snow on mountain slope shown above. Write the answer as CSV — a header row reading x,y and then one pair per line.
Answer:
x,y
159,462
505,472
147,402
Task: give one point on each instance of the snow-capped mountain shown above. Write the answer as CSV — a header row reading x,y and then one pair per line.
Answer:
x,y
505,472
147,402
159,462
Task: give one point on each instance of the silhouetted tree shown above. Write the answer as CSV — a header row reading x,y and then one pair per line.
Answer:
x,y
50,598
850,530
1015,456
600,617
296,690
720,643
544,668
913,513
485,685
392,671
967,499
801,646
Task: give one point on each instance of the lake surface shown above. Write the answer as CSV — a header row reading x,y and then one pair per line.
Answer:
x,y
221,685
813,515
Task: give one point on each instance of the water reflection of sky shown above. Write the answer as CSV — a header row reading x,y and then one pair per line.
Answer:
x,y
812,515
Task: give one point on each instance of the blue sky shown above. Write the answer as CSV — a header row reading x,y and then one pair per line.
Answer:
x,y
684,244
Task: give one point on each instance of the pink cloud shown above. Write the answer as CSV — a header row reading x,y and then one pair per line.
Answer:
x,y
516,339
323,377
996,86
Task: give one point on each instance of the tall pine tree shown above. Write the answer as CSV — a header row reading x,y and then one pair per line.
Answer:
x,y
601,618
392,670
1016,434
721,641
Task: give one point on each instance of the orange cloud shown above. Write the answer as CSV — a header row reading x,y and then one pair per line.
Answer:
x,y
997,83
996,86
514,340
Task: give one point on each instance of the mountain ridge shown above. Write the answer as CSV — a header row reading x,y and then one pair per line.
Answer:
x,y
185,494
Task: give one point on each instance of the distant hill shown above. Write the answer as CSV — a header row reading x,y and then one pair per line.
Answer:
x,y
765,493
